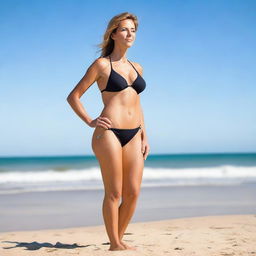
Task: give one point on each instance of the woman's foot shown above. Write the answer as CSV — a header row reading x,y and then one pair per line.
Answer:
x,y
128,247
119,247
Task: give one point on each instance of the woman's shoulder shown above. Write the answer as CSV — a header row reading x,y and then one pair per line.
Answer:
x,y
101,62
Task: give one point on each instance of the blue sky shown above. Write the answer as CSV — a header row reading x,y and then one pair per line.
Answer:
x,y
198,59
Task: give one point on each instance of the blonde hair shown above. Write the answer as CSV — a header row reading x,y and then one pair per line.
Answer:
x,y
107,44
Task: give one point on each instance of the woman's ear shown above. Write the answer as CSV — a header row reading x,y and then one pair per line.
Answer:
x,y
111,35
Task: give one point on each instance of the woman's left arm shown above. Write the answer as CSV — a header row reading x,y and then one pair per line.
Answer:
x,y
143,128
144,138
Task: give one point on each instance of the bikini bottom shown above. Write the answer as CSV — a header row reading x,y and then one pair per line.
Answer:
x,y
125,135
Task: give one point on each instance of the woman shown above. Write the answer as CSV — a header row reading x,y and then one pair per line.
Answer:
x,y
119,140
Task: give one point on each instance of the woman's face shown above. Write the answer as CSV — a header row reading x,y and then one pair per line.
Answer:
x,y
125,33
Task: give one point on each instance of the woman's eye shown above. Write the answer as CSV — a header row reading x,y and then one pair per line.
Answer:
x,y
131,31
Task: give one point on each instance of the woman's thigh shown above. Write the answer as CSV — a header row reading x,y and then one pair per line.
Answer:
x,y
133,165
108,151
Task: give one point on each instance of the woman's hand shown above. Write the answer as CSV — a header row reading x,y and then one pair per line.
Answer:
x,y
101,121
145,148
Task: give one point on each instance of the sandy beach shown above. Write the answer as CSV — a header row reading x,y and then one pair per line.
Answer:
x,y
178,220
209,235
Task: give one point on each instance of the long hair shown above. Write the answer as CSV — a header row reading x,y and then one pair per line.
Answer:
x,y
107,45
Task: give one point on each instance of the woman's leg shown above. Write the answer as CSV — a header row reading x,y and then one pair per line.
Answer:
x,y
133,165
108,151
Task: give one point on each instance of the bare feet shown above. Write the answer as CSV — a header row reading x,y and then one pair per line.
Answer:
x,y
128,247
119,247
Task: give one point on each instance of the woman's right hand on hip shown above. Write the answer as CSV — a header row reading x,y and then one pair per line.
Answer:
x,y
101,121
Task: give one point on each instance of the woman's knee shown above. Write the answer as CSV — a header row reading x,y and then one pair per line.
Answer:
x,y
114,195
131,194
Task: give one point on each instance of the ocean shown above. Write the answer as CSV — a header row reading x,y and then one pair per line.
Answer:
x,y
50,173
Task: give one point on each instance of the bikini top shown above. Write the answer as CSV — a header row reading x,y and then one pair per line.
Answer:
x,y
117,83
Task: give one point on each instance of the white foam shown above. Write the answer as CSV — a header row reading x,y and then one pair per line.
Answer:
x,y
86,179
91,174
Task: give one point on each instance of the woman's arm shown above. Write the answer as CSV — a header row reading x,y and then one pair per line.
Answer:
x,y
145,148
143,128
144,138
91,75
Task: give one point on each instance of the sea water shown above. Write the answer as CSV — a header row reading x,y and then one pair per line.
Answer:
x,y
23,174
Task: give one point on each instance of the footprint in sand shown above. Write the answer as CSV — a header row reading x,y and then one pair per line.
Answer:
x,y
178,248
176,237
213,227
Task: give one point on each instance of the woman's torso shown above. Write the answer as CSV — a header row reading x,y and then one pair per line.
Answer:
x,y
121,103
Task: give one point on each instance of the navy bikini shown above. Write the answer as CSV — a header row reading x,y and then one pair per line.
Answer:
x,y
117,83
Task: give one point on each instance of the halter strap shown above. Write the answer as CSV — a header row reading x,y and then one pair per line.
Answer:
x,y
133,66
